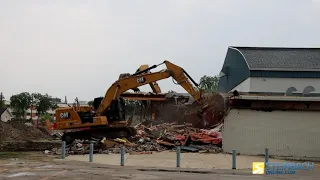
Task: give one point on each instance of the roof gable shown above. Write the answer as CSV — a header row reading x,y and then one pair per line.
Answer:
x,y
281,59
5,110
2,111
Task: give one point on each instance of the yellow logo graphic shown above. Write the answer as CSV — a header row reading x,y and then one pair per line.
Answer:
x,y
258,168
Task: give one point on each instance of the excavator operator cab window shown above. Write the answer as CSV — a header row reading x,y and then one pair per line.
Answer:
x,y
86,117
116,111
121,106
96,102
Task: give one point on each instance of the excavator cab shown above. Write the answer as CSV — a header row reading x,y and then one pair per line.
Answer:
x,y
86,116
74,116
116,110
85,113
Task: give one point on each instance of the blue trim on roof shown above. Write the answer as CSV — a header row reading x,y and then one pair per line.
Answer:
x,y
235,69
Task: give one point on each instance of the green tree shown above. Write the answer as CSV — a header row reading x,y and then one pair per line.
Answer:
x,y
90,103
44,117
20,103
209,83
44,103
2,104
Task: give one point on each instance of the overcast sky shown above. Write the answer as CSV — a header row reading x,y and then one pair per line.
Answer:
x,y
78,48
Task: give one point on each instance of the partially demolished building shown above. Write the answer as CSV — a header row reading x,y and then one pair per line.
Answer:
x,y
275,103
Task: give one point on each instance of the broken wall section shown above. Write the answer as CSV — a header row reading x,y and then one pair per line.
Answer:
x,y
180,108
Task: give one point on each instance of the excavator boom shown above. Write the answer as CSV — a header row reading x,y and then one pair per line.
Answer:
x,y
126,83
154,85
108,115
141,78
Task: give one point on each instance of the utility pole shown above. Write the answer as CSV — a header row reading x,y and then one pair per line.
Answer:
x,y
31,107
1,101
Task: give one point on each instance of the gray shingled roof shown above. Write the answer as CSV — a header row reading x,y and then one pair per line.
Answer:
x,y
288,59
2,111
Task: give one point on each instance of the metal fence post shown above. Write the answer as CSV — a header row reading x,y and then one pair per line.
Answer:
x,y
63,151
122,156
178,156
234,163
266,160
91,153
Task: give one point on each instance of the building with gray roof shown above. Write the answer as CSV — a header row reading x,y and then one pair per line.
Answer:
x,y
271,70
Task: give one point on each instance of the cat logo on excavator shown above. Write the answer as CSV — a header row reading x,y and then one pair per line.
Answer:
x,y
141,79
64,115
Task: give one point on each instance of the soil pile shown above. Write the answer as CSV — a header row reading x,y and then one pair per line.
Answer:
x,y
16,131
207,115
214,110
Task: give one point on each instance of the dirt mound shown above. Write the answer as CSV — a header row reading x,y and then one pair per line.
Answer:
x,y
214,109
15,131
213,106
214,101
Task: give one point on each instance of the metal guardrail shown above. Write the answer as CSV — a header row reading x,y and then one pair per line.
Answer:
x,y
178,151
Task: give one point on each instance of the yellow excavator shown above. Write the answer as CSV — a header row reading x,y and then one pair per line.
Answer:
x,y
154,85
107,116
145,69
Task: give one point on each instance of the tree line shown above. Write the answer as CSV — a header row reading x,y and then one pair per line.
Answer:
x,y
209,83
20,103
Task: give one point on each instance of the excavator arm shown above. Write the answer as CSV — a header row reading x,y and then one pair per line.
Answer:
x,y
142,78
183,79
154,85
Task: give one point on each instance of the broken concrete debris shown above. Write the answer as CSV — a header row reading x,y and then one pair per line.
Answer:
x,y
161,137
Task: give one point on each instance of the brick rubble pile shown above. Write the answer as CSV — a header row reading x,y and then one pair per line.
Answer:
x,y
156,138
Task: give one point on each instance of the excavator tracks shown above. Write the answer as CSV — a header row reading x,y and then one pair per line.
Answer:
x,y
98,133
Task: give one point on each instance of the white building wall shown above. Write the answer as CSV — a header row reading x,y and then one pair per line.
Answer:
x,y
244,86
277,85
285,133
6,116
282,84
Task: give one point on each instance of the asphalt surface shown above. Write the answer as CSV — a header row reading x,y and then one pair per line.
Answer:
x,y
54,170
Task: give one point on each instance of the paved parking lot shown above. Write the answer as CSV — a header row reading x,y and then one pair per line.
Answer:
x,y
41,167
31,170
167,159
